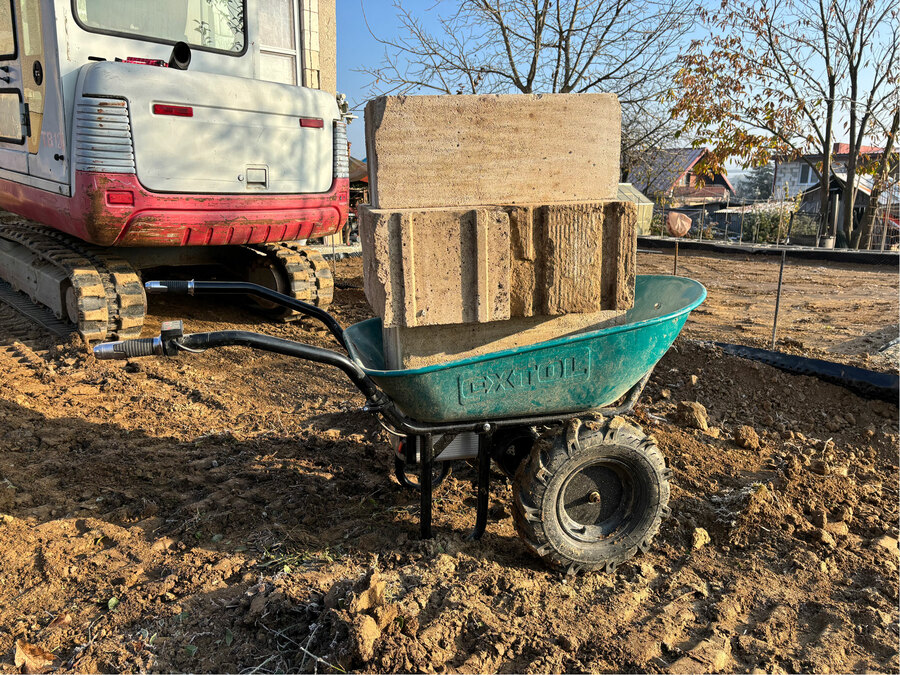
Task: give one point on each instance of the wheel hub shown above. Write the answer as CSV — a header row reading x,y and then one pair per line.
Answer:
x,y
595,501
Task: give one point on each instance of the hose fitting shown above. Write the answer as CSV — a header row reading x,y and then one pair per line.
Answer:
x,y
129,349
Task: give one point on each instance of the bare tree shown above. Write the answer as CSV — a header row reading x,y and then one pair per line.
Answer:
x,y
625,47
885,167
869,33
647,130
764,85
777,76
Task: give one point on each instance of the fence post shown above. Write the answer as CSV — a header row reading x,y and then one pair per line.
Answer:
x,y
780,220
778,297
743,211
887,211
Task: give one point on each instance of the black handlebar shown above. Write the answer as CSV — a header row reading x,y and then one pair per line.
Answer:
x,y
225,287
170,345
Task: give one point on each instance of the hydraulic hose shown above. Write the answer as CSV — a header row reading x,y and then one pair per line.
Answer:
x,y
225,287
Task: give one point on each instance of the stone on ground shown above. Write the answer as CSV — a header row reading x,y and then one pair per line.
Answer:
x,y
692,414
746,437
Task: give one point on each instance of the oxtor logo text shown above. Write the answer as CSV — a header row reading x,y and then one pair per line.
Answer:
x,y
503,382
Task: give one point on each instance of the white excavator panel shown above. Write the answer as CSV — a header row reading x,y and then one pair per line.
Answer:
x,y
216,134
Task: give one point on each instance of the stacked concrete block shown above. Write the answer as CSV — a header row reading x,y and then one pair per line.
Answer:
x,y
491,224
429,267
448,151
436,266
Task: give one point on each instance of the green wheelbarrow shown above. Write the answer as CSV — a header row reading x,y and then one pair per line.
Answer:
x,y
583,498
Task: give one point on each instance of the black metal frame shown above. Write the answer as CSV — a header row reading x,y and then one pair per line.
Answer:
x,y
419,434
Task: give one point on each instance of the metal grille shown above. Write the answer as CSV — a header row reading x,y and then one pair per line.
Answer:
x,y
103,136
341,153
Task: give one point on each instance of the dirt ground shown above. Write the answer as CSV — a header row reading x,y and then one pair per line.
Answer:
x,y
840,313
234,512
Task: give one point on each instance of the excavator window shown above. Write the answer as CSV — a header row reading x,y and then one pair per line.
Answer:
x,y
7,31
31,59
216,25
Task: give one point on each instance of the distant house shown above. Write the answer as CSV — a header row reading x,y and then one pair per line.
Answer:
x,y
888,201
671,174
798,176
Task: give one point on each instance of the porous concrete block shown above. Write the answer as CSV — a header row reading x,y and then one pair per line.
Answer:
x,y
436,266
422,346
619,256
448,151
572,258
427,267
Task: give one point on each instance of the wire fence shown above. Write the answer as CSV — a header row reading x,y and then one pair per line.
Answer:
x,y
777,223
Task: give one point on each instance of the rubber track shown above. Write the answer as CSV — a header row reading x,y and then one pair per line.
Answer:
x,y
125,296
308,275
867,383
90,295
33,311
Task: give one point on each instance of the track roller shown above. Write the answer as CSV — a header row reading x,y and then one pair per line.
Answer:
x,y
294,270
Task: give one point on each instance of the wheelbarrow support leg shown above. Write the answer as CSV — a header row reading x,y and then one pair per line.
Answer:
x,y
426,463
483,487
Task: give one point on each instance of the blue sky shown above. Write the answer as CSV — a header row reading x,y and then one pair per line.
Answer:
x,y
357,48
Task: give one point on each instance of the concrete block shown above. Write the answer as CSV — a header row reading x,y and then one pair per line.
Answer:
x,y
619,264
572,258
432,267
429,345
448,151
438,266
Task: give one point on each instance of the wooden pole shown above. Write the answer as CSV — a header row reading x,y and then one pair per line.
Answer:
x,y
675,267
884,225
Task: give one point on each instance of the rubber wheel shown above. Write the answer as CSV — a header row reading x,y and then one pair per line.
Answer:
x,y
590,501
408,476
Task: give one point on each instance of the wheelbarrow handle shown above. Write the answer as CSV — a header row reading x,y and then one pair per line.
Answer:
x,y
171,341
269,343
225,287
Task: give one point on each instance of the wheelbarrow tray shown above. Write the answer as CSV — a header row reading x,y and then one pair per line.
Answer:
x,y
565,375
